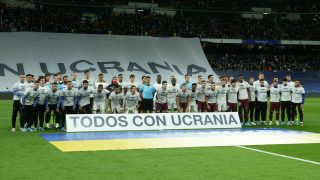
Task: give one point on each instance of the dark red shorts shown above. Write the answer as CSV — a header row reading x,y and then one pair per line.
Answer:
x,y
161,107
274,106
232,107
213,107
202,106
183,106
244,103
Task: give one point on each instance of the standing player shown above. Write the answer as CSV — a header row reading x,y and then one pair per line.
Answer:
x,y
29,82
211,98
201,97
252,103
285,98
297,99
187,82
120,80
162,98
244,96
41,108
75,83
99,99
29,102
222,96
84,95
127,86
18,89
232,97
68,101
209,82
116,101
183,99
193,97
131,100
147,93
100,81
274,101
51,103
256,84
172,94
262,94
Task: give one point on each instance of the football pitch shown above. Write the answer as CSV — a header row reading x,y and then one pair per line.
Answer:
x,y
30,156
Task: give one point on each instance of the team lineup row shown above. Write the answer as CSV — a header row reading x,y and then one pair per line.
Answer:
x,y
37,100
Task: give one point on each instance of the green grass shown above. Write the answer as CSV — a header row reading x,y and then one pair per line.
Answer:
x,y
28,156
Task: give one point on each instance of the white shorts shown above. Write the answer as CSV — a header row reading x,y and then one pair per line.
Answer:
x,y
193,107
99,106
172,105
222,106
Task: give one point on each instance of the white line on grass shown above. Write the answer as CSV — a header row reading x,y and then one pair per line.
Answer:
x,y
280,155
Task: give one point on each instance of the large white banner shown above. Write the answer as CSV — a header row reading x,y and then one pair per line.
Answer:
x,y
40,53
152,121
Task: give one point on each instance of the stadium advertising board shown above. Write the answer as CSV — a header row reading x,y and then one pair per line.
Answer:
x,y
152,121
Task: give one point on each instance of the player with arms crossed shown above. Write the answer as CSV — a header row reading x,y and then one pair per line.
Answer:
x,y
285,92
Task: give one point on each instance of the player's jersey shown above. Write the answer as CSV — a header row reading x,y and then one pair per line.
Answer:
x,y
84,95
104,84
53,97
291,84
129,84
122,84
262,93
99,97
274,94
69,96
297,94
252,92
183,96
162,96
75,84
212,95
201,94
222,94
208,86
243,90
30,95
257,83
172,92
157,86
43,89
29,84
233,94
131,100
116,99
18,89
90,82
285,92
193,97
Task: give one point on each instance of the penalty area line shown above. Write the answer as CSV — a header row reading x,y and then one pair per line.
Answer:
x,y
280,155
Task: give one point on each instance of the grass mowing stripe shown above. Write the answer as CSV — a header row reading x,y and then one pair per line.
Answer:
x,y
280,155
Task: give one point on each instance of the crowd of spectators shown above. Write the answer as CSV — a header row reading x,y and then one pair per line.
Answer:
x,y
268,62
208,26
